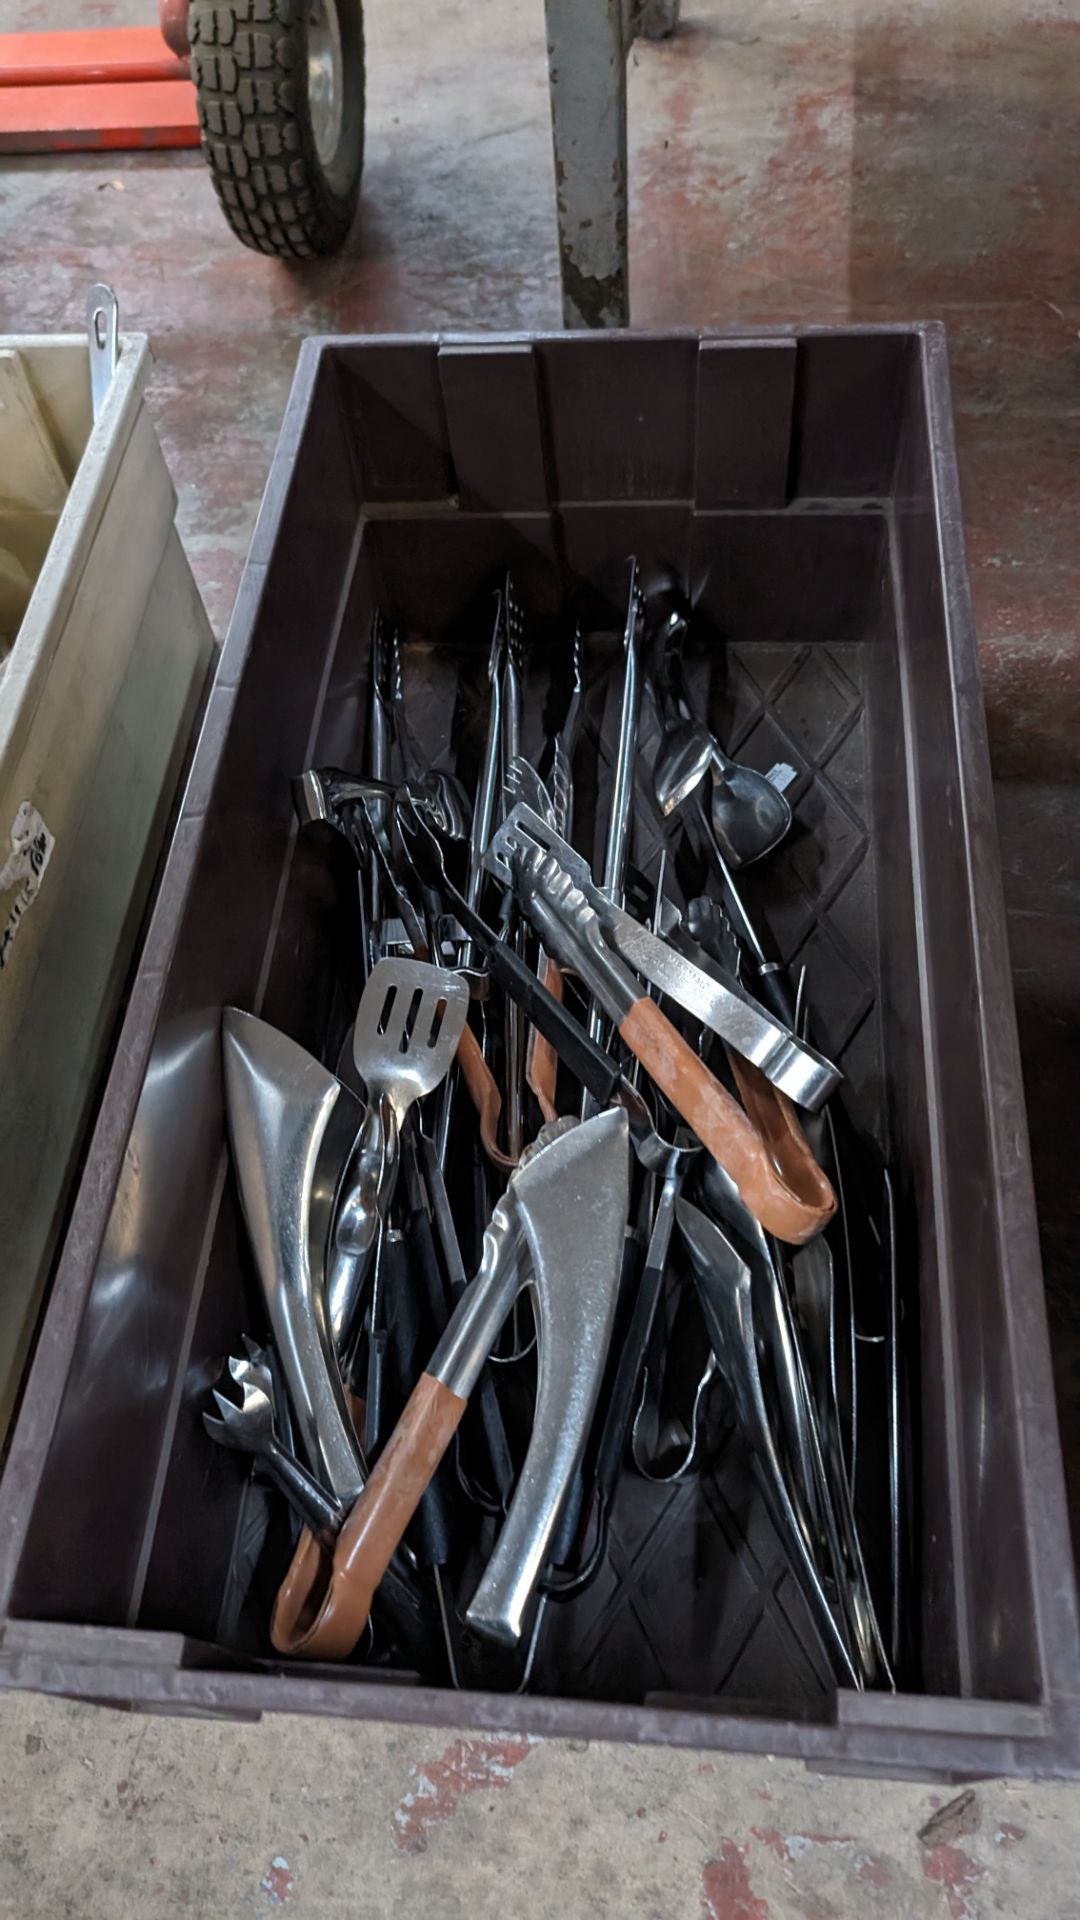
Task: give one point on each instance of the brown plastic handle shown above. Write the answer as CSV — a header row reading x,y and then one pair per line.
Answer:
x,y
542,1066
763,1149
778,1124
324,1601
485,1095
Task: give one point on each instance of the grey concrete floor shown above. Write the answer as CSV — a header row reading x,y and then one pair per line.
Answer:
x,y
791,159
111,1817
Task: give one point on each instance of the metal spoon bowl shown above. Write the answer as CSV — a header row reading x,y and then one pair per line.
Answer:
x,y
687,753
749,815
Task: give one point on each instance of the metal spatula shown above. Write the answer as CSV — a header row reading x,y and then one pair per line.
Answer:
x,y
408,1025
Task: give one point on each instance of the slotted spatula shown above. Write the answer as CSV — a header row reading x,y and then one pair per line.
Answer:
x,y
408,1025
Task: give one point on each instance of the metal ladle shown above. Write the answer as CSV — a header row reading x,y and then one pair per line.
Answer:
x,y
747,813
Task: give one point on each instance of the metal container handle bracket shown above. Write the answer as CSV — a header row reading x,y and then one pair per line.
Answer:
x,y
571,1193
103,340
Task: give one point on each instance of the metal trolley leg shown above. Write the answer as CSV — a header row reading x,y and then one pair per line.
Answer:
x,y
587,46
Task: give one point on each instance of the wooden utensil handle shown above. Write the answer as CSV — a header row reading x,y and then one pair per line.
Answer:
x,y
542,1069
793,1199
775,1118
485,1095
323,1602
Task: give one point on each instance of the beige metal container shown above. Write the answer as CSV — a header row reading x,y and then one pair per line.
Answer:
x,y
104,654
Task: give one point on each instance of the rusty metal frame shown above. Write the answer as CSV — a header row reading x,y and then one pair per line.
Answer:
x,y
588,41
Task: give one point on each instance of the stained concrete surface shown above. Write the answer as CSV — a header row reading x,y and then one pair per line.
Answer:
x,y
822,160
113,1818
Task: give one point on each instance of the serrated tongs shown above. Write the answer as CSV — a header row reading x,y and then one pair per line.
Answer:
x,y
705,990
760,1143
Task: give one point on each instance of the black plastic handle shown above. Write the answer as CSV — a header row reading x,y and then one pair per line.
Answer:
x,y
322,1513
595,1480
772,983
774,987
622,1404
586,1060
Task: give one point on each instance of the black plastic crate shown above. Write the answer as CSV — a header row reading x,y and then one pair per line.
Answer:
x,y
804,484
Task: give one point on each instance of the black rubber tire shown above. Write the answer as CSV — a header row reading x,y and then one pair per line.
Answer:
x,y
250,68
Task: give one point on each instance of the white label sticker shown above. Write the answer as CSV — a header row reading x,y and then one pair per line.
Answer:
x,y
22,873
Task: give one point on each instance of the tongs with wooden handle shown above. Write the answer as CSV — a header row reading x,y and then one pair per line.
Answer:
x,y
705,991
575,1180
761,1144
324,1601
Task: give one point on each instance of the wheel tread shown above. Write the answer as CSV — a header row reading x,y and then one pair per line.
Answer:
x,y
268,180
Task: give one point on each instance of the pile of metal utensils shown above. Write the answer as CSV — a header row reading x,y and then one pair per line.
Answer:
x,y
562,1101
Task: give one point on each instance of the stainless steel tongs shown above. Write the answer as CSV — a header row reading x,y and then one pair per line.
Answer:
x,y
716,997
